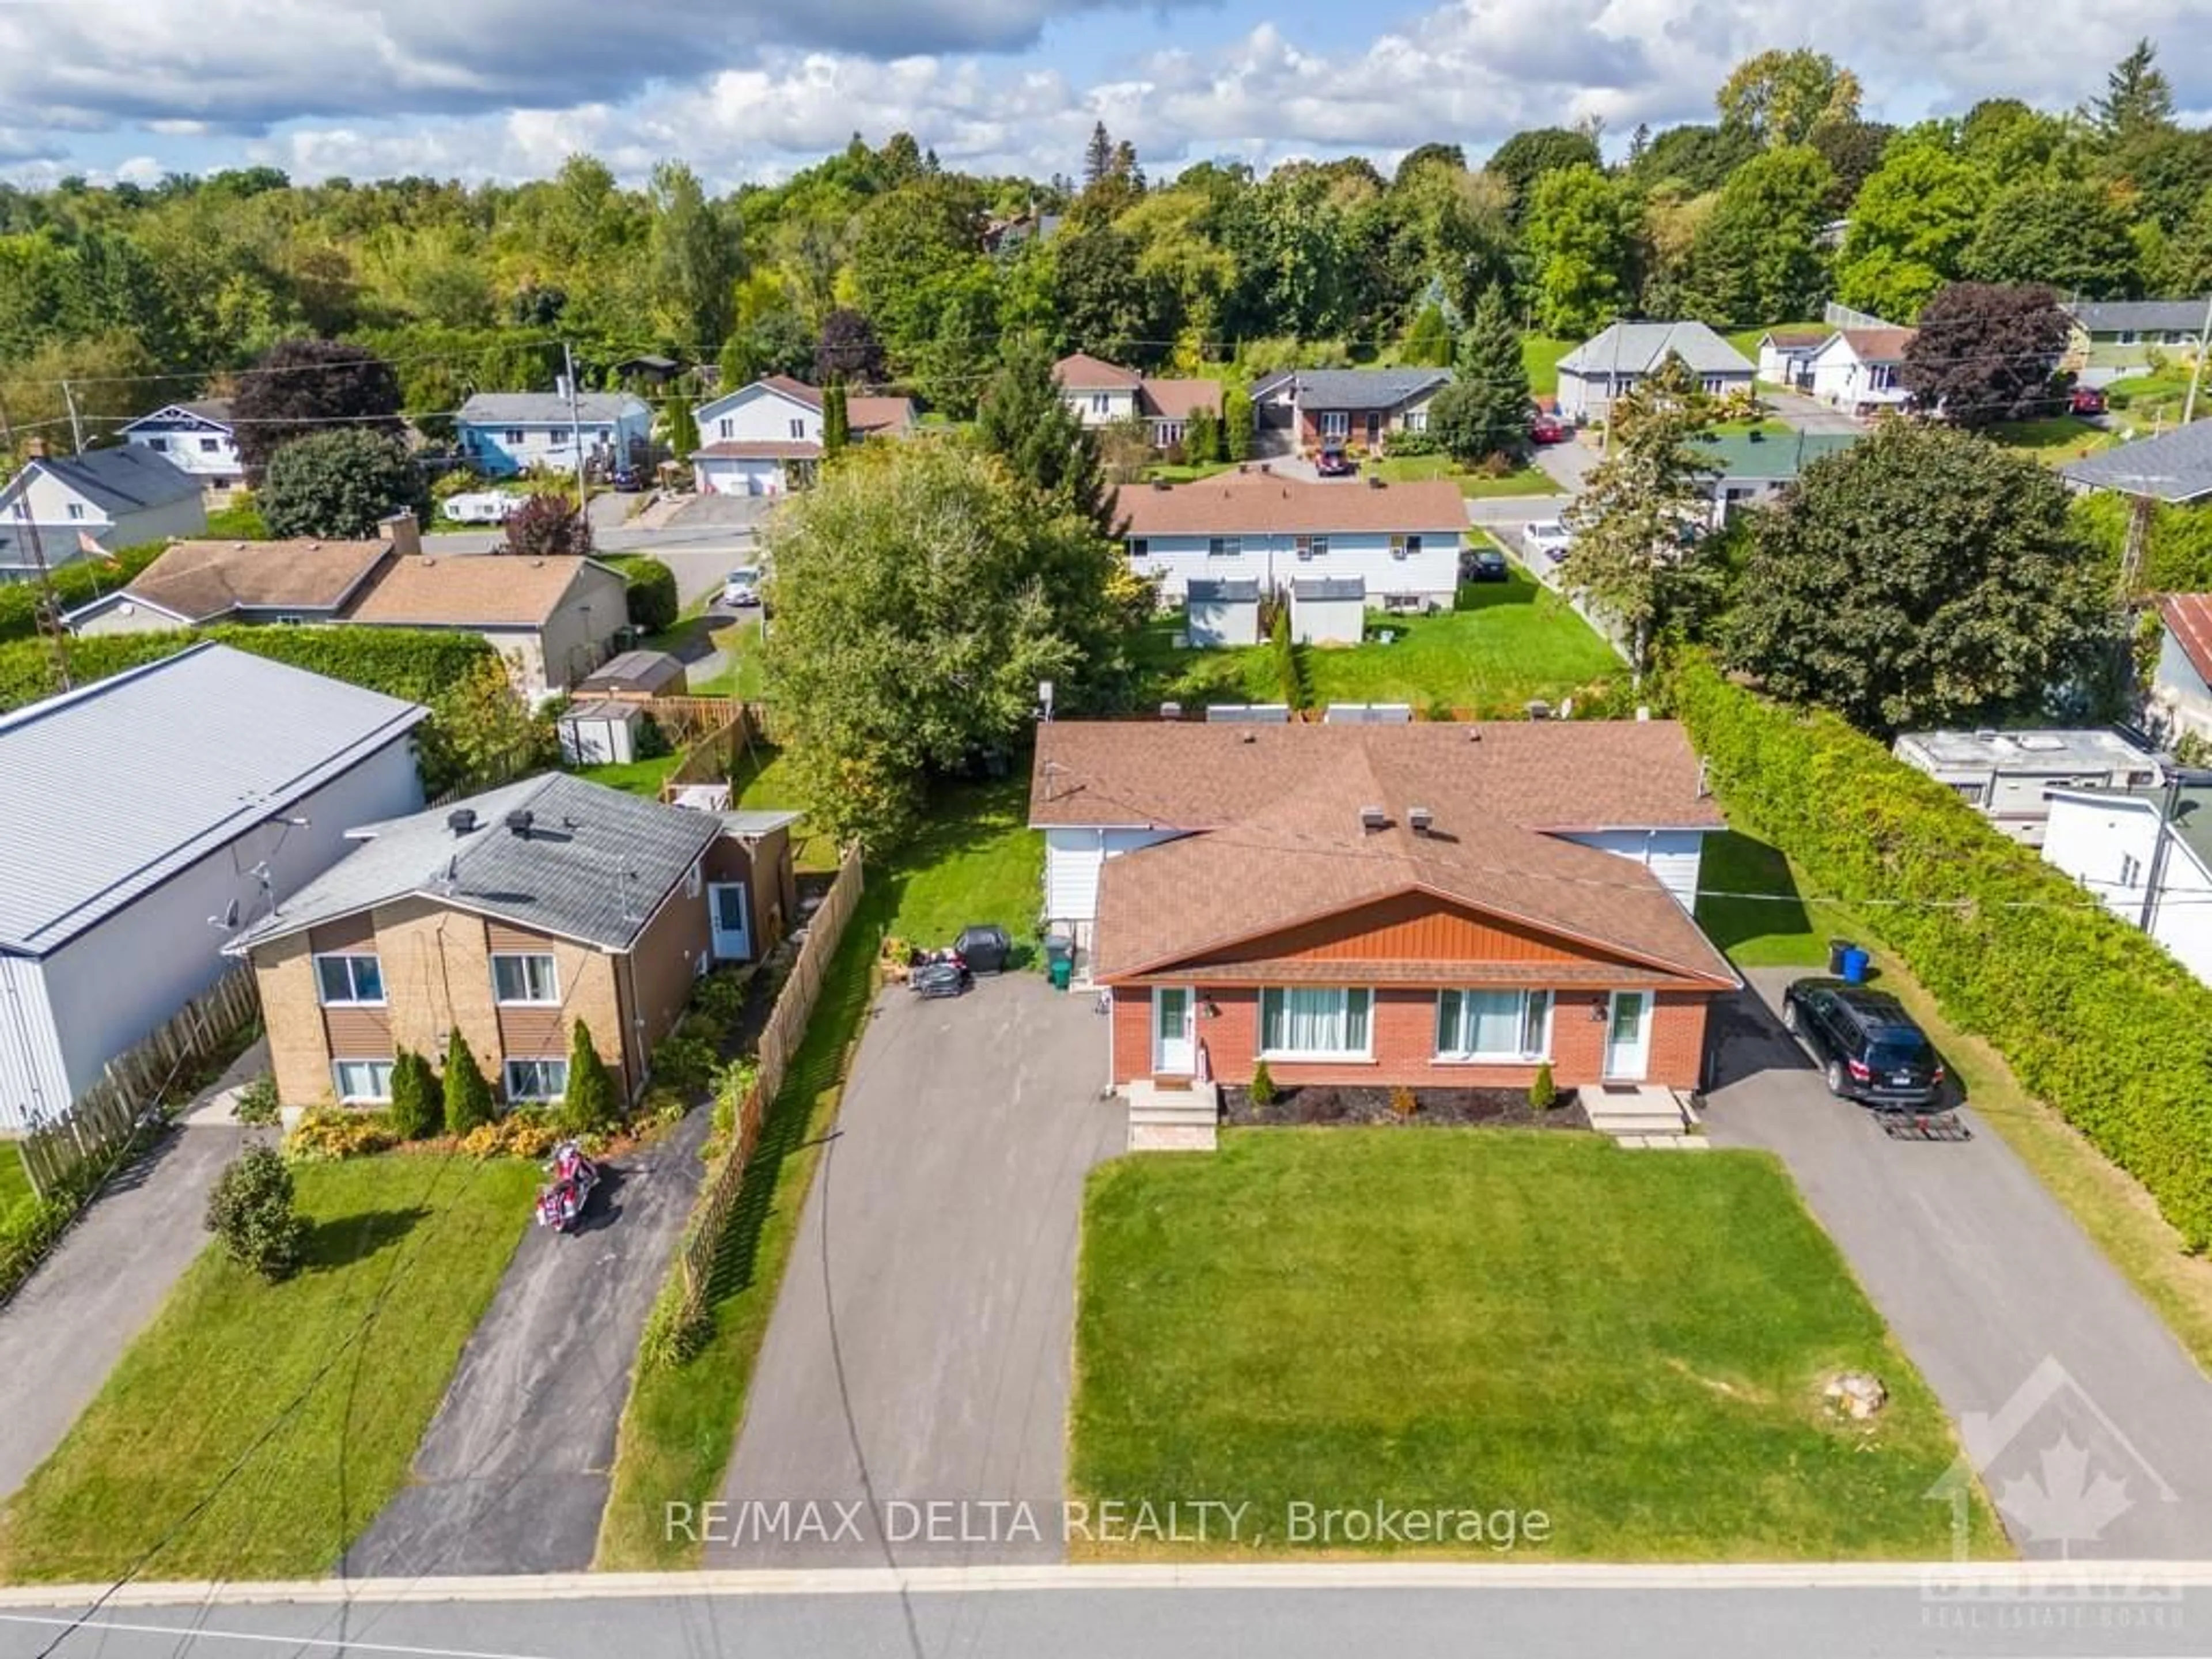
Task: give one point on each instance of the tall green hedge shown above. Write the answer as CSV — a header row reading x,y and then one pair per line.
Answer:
x,y
78,582
2092,1015
654,602
418,663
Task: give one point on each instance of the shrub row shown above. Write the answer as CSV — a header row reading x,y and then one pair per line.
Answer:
x,y
417,664
2092,1015
655,603
76,583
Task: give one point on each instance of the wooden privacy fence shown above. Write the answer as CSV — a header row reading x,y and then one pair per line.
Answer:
x,y
105,1116
778,1041
685,718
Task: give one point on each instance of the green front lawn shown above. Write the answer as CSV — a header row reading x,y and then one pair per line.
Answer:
x,y
2142,402
1186,472
977,860
1412,469
741,675
1632,1343
340,1368
1539,356
1502,645
2053,441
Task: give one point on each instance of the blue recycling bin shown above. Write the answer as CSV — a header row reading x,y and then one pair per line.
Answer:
x,y
1852,960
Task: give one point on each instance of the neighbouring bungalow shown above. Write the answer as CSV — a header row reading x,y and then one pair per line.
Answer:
x,y
197,438
199,583
1613,362
61,509
765,438
1861,370
510,916
1337,408
1751,469
501,433
2121,334
2007,777
1785,355
1102,393
1402,540
1431,905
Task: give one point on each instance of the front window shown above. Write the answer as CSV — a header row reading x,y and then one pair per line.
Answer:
x,y
362,1082
1401,546
1297,1023
210,446
159,444
76,511
1225,547
524,979
537,1080
1312,547
513,437
1493,1024
1101,403
1417,420
1335,422
1170,432
1138,547
349,982
726,428
798,428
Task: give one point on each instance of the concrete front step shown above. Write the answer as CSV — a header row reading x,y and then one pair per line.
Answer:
x,y
1173,1120
1640,1111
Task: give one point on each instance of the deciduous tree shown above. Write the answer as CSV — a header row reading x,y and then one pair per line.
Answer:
x,y
1757,256
1986,352
1921,577
696,261
304,386
1582,243
547,526
1911,227
2067,233
849,350
1785,97
1523,160
337,481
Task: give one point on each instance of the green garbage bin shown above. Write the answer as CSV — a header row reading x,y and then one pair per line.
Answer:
x,y
1058,960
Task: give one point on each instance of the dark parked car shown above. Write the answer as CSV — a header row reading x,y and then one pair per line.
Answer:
x,y
2086,400
1335,464
984,948
1483,564
1549,429
1872,1051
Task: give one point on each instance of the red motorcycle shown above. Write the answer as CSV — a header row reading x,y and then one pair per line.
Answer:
x,y
560,1202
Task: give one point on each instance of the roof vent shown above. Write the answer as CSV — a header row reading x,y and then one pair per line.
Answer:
x,y
519,822
1420,818
461,820
1372,819
1170,711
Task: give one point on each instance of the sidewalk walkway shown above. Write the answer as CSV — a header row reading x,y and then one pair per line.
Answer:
x,y
65,1330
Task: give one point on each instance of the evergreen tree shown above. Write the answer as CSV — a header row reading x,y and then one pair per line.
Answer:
x,y
1098,156
1237,424
682,428
1428,342
591,1105
836,426
1486,410
468,1097
418,1108
1202,437
1026,421
2137,96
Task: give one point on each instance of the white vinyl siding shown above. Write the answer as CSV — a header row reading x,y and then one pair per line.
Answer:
x,y
1427,566
349,982
362,1082
1499,1025
535,1080
1072,860
1316,1022
530,979
1672,855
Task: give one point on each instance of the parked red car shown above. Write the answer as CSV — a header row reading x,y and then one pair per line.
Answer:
x,y
2086,400
1333,463
1549,429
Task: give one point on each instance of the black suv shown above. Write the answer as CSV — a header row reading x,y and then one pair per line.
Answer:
x,y
1872,1050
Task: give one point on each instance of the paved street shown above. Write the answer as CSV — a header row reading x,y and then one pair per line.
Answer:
x,y
1404,1613
2031,1339
65,1330
512,1475
919,1347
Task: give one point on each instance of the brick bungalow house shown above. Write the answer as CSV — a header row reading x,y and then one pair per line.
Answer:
x,y
1434,904
1102,393
1347,408
512,915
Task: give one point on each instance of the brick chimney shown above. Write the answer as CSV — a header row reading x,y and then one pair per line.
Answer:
x,y
401,534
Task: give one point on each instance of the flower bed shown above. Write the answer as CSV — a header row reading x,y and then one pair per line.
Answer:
x,y
1322,1104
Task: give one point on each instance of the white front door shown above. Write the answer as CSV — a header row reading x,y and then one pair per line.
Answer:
x,y
1628,1036
731,907
1174,1052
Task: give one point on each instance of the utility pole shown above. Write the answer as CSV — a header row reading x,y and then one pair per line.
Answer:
x,y
50,605
76,426
575,426
2196,371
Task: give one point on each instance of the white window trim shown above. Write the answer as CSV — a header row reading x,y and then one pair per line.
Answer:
x,y
1323,1056
694,880
322,956
553,965
1484,1057
1225,547
338,1088
1336,423
507,1080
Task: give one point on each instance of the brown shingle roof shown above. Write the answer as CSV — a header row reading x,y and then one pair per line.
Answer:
x,y
1236,503
1280,840
483,590
1081,371
1178,400
876,414
759,449
201,580
2188,617
1879,345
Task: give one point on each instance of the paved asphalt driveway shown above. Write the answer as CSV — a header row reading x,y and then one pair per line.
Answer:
x,y
1809,414
2038,1348
512,1475
65,1330
919,1347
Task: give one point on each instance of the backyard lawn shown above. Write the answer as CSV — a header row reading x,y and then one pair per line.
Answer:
x,y
14,1185
315,1391
1521,481
1539,356
1758,932
642,777
2054,440
1491,1320
977,860
1503,644
741,674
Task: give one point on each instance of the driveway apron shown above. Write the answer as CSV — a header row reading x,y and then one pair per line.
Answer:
x,y
512,1474
2086,1420
919,1350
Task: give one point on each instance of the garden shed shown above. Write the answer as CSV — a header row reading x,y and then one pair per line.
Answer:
x,y
601,732
1219,613
634,675
1328,610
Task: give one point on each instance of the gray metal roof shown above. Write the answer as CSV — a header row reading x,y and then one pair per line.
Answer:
x,y
649,669
114,788
2122,316
1637,348
751,821
2174,466
2091,749
1357,388
593,868
548,408
1209,590
1329,587
120,480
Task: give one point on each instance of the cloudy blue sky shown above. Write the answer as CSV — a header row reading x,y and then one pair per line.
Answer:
x,y
752,89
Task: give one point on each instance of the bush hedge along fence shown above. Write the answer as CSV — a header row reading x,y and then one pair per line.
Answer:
x,y
78,582
2092,1017
420,664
